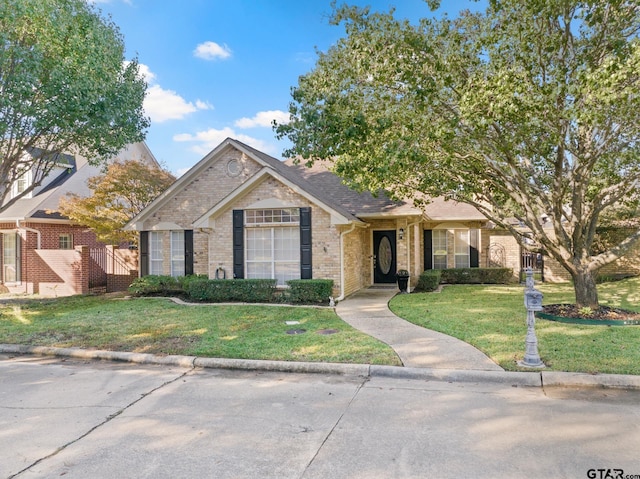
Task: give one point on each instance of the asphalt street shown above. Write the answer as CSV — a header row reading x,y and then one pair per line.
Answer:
x,y
76,418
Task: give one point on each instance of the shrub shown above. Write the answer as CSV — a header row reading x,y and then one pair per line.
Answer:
x,y
309,291
477,275
223,290
429,280
609,278
156,285
185,280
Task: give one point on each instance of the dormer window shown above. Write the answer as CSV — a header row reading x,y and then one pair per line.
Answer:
x,y
21,184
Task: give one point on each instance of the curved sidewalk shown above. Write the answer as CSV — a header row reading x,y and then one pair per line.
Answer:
x,y
417,347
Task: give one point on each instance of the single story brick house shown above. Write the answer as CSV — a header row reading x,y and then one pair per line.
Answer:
x,y
242,213
42,251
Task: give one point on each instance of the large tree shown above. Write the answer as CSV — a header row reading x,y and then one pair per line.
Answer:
x,y
64,87
118,195
530,110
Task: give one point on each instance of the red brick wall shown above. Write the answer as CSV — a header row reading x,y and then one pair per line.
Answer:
x,y
50,271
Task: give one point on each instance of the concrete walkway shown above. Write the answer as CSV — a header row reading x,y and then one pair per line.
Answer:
x,y
417,347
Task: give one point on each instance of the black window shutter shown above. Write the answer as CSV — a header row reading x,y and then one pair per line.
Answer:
x,y
428,247
143,249
474,256
305,243
238,244
188,252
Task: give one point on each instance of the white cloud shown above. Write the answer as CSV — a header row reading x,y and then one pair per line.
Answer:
x,y
203,105
263,119
207,140
146,73
212,51
161,104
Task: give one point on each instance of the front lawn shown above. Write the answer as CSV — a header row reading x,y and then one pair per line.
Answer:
x,y
159,326
493,319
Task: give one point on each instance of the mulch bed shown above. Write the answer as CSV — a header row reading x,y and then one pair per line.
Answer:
x,y
603,313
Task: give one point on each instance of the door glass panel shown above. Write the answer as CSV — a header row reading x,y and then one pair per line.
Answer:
x,y
9,257
385,255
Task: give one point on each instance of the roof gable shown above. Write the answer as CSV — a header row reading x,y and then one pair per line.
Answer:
x,y
271,166
318,184
226,203
70,176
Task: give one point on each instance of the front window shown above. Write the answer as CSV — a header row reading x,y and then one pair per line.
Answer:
x,y
461,248
65,241
177,253
439,238
155,252
273,244
10,258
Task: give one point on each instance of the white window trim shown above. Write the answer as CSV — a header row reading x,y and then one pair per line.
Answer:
x,y
455,248
446,249
152,259
65,235
27,177
16,257
177,255
272,226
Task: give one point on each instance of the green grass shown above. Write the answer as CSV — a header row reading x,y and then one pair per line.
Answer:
x,y
490,317
493,319
159,326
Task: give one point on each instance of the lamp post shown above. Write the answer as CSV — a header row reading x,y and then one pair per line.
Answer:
x,y
533,303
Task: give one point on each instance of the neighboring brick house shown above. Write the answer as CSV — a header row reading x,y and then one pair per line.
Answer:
x,y
41,251
241,213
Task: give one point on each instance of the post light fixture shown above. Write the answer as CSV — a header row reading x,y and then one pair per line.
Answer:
x,y
401,233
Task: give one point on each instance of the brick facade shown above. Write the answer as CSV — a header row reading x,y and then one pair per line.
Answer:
x,y
50,271
342,245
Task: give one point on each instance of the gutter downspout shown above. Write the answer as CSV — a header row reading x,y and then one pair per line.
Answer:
x,y
39,244
20,227
342,235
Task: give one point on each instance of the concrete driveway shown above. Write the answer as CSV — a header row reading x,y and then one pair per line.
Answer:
x,y
91,419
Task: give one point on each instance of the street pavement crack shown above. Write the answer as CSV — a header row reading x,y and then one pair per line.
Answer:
x,y
108,419
355,394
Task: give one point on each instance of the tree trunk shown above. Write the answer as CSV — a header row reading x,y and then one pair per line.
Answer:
x,y
584,284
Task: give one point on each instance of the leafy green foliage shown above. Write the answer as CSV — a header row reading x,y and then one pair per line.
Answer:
x,y
64,87
529,110
117,196
224,290
202,289
477,275
156,285
429,280
309,291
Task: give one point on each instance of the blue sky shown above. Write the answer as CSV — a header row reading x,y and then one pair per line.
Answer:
x,y
225,68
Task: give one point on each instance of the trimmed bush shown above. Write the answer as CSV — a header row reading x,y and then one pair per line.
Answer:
x,y
429,280
231,290
156,285
309,291
477,275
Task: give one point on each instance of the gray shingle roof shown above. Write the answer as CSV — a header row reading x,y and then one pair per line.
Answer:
x,y
329,188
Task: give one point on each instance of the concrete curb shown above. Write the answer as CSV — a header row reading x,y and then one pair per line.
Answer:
x,y
512,378
527,379
559,378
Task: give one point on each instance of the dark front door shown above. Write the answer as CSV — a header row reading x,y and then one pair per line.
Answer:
x,y
384,256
